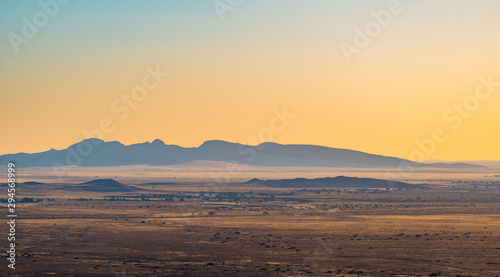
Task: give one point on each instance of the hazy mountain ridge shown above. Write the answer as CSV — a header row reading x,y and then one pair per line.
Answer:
x,y
336,182
105,185
96,152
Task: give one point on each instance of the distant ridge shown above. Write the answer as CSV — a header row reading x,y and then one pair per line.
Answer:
x,y
96,152
157,184
106,185
33,183
253,181
336,182
29,183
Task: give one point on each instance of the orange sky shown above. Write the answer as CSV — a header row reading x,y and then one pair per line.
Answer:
x,y
226,77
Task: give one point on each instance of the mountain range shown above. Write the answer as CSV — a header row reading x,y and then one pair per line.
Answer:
x,y
96,152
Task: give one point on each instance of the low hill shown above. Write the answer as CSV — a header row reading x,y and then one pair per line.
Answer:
x,y
106,185
33,183
335,182
29,183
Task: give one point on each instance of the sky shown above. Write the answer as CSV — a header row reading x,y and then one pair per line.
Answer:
x,y
411,79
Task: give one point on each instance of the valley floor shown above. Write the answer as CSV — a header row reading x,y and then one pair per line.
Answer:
x,y
257,232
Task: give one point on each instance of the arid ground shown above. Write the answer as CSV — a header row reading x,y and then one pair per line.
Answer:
x,y
194,229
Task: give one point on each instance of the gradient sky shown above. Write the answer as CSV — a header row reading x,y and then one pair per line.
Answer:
x,y
226,77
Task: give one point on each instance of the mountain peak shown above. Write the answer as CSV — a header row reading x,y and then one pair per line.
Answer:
x,y
269,143
93,141
102,181
158,142
211,143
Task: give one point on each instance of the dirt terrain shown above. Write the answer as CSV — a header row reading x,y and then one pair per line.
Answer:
x,y
181,229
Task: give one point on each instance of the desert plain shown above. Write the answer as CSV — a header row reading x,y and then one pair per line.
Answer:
x,y
168,221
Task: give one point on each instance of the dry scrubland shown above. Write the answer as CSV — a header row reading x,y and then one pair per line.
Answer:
x,y
451,230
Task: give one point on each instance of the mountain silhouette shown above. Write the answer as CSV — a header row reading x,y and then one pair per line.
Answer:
x,y
96,152
335,182
105,185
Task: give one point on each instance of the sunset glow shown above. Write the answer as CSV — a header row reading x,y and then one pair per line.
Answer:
x,y
225,77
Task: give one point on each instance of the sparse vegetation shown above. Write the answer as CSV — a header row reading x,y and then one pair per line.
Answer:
x,y
253,230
